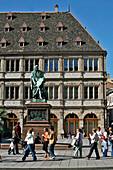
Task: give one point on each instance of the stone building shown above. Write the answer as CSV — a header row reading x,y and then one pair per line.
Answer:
x,y
73,63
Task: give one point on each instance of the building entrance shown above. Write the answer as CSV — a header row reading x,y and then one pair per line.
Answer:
x,y
10,123
90,122
54,123
71,124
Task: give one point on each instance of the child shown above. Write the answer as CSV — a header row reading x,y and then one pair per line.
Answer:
x,y
11,148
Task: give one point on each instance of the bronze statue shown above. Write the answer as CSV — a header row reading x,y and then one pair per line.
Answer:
x,y
37,81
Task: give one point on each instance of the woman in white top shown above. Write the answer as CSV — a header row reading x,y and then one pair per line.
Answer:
x,y
94,139
99,132
105,143
30,146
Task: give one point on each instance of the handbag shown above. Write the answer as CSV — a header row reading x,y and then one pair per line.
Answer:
x,y
103,137
77,141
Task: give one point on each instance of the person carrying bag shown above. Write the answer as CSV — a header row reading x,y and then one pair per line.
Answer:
x,y
78,144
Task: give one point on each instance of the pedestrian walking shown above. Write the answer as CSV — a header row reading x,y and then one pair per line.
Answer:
x,y
45,143
105,143
78,144
111,140
30,146
15,137
52,141
11,148
99,132
94,139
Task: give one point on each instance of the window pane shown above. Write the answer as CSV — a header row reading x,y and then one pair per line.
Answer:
x,y
76,126
46,88
56,92
85,92
12,65
30,93
51,65
70,92
12,92
51,93
26,65
65,65
36,62
71,129
95,64
96,92
70,64
76,92
55,127
90,92
17,93
7,92
17,65
85,65
65,92
31,65
46,65
66,127
7,65
56,65
26,92
90,126
90,64
76,64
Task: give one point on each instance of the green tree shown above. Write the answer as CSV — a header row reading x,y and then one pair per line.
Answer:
x,y
3,118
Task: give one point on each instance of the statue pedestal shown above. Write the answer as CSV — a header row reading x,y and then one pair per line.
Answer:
x,y
38,118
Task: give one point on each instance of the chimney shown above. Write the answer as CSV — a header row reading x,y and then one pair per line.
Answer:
x,y
56,8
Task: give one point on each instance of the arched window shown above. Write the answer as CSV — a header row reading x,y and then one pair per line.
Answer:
x,y
71,123
54,122
90,122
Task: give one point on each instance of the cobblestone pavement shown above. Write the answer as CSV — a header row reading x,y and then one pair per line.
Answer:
x,y
64,159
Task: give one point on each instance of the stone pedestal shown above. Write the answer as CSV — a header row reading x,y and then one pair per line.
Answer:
x,y
38,118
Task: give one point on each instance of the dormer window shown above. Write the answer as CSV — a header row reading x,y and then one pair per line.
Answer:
x,y
40,41
78,41
60,27
43,16
3,43
21,42
6,27
59,41
9,16
24,27
42,27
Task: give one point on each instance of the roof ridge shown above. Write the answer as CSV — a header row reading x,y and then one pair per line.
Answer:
x,y
88,32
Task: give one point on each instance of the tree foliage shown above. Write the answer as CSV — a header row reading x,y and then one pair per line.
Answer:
x,y
3,117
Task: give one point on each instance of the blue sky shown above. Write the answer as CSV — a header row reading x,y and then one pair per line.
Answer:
x,y
95,15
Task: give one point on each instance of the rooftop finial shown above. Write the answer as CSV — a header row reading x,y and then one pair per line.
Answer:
x,y
68,8
56,8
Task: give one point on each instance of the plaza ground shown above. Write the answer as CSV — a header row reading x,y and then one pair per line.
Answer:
x,y
64,160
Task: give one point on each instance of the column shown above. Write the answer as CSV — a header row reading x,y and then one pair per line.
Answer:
x,y
81,123
61,93
22,66
3,66
22,120
60,126
21,93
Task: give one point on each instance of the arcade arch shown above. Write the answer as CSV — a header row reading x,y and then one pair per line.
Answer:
x,y
90,122
71,123
10,123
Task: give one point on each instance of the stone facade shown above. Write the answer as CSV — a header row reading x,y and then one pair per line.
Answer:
x,y
15,85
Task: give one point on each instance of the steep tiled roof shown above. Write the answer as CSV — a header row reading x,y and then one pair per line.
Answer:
x,y
72,29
